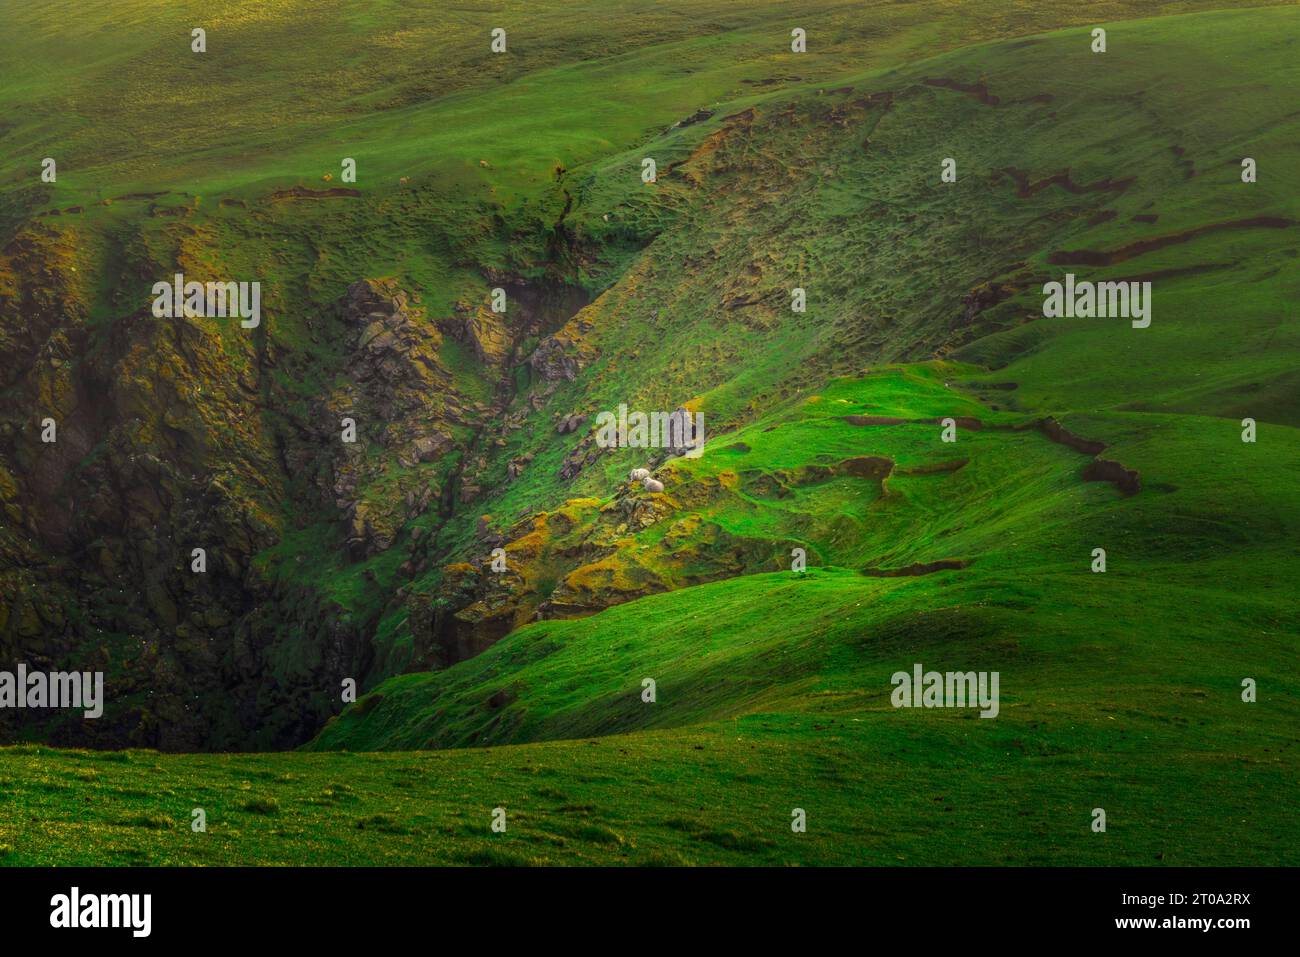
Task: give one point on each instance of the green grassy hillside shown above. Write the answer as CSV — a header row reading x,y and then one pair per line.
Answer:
x,y
1006,499
1108,657
876,792
1120,690
984,252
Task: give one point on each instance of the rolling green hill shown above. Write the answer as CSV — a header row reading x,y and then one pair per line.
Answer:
x,y
1120,690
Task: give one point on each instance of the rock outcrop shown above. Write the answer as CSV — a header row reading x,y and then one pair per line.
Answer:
x,y
396,393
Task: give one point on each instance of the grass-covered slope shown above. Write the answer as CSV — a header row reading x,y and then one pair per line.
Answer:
x,y
1006,500
838,192
474,170
1200,558
1120,690
776,169
897,789
411,89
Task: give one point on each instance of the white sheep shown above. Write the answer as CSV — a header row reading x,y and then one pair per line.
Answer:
x,y
638,475
650,485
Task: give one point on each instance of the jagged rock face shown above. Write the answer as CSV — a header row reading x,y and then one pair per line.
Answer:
x,y
177,434
552,361
163,446
158,450
487,334
399,395
561,356
394,363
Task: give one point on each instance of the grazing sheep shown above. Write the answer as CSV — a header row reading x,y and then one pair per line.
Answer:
x,y
637,475
650,485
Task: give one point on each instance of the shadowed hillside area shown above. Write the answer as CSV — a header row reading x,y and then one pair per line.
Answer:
x,y
365,569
